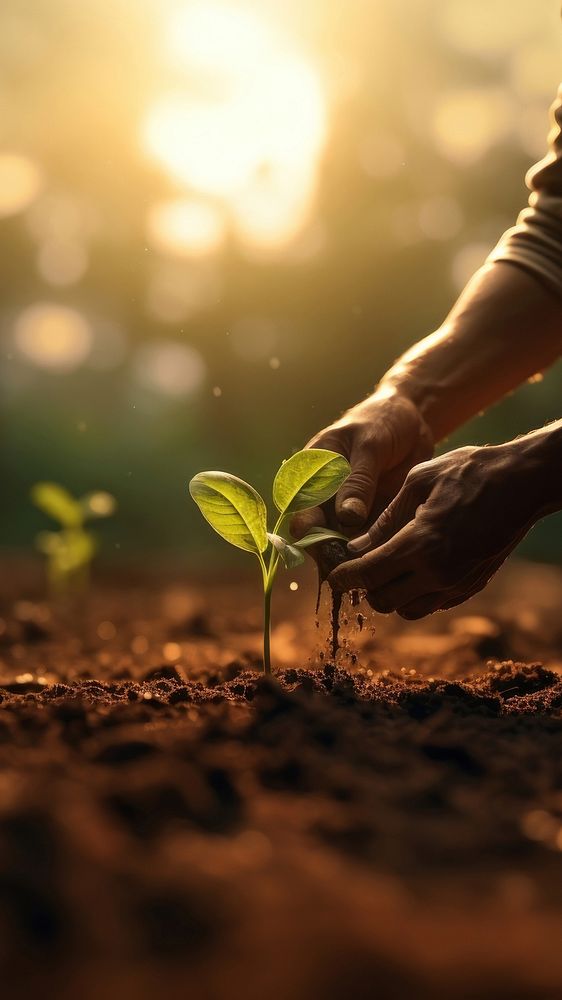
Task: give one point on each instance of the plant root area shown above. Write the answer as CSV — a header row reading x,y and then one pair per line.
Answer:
x,y
173,824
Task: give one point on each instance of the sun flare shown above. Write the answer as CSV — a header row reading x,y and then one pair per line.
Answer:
x,y
248,124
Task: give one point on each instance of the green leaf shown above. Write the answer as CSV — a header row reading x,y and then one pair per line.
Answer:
x,y
290,555
98,504
233,508
309,478
58,503
317,535
77,550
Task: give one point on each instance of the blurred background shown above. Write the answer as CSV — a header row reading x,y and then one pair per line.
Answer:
x,y
221,221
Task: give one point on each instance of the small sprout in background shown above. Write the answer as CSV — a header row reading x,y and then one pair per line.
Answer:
x,y
238,513
70,550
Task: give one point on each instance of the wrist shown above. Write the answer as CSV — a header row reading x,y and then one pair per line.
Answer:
x,y
412,379
536,460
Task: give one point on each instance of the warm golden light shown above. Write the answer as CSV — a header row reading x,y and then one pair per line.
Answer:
x,y
20,183
53,337
101,503
250,129
468,122
186,227
215,40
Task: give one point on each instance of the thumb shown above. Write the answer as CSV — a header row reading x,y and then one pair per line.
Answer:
x,y
305,520
396,516
355,498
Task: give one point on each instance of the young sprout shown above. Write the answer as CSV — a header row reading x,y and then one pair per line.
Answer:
x,y
70,550
238,513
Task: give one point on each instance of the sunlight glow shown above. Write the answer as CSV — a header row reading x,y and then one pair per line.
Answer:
x,y
53,337
213,39
185,227
251,127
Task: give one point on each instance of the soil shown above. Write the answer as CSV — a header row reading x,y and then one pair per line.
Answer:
x,y
386,824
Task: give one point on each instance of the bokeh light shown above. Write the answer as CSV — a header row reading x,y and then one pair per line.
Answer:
x,y
53,337
169,368
467,122
100,504
20,183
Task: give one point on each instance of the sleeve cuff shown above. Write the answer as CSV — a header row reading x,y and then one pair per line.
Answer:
x,y
535,244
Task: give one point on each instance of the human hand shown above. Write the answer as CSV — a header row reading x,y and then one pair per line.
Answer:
x,y
455,520
382,438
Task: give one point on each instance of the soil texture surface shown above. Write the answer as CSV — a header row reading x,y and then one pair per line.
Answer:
x,y
385,824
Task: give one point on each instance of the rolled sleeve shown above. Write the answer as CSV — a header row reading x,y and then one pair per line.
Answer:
x,y
535,242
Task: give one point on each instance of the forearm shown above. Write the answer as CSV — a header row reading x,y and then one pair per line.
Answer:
x,y
538,459
505,327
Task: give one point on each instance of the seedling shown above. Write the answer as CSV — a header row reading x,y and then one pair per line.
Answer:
x,y
238,513
69,551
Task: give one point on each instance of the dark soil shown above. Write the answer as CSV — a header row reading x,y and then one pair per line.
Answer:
x,y
173,824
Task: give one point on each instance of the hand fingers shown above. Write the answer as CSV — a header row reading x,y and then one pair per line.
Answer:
x,y
396,516
392,595
371,571
421,607
389,485
469,587
449,598
458,593
419,596
430,603
302,522
355,498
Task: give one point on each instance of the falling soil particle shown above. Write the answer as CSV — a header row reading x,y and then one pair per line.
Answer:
x,y
328,556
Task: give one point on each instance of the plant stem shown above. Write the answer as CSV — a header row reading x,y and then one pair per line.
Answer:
x,y
267,629
268,573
